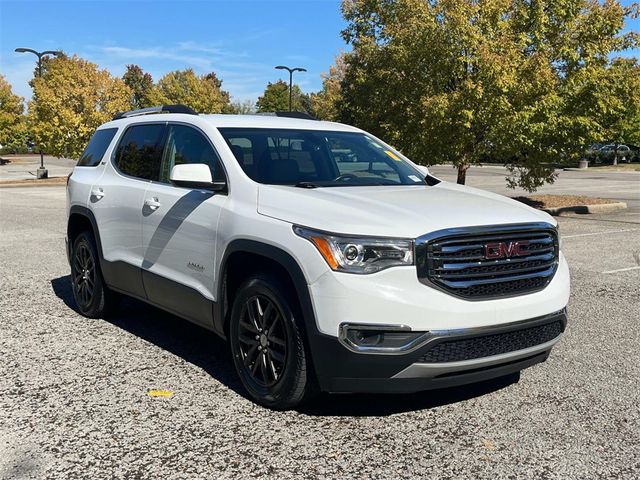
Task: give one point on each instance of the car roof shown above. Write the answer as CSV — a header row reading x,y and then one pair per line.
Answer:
x,y
236,121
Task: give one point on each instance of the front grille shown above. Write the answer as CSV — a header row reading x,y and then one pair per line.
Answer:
x,y
492,344
456,260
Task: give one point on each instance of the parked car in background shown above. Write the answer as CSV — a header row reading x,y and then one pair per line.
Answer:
x,y
591,152
635,153
607,153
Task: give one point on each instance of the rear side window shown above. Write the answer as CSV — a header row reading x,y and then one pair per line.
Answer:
x,y
140,150
187,145
97,147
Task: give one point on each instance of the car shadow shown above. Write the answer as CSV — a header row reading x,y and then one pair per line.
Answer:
x,y
191,342
206,350
373,405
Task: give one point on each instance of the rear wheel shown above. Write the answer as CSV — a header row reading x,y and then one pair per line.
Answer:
x,y
267,344
93,298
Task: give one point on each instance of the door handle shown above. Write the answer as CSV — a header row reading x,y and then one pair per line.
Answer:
x,y
97,192
152,203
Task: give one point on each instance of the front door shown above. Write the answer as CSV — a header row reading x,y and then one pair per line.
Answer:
x,y
179,230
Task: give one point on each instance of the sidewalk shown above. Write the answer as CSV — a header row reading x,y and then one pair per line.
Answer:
x,y
23,167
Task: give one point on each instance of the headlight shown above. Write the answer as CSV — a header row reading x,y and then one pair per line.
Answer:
x,y
359,254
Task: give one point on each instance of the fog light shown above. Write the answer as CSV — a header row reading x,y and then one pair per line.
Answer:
x,y
387,339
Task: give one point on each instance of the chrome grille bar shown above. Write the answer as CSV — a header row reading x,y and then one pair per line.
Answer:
x,y
455,260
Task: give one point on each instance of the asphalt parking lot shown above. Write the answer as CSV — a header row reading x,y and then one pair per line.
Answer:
x,y
74,403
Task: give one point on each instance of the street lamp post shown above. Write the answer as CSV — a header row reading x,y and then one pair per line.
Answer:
x,y
42,172
290,70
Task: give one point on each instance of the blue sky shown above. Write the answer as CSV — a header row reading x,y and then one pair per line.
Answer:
x,y
240,40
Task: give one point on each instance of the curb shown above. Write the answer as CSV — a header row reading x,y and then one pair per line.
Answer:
x,y
596,208
17,184
595,170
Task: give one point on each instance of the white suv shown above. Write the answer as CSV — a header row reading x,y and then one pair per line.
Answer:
x,y
326,258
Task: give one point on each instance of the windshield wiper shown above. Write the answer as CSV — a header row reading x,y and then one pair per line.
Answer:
x,y
306,185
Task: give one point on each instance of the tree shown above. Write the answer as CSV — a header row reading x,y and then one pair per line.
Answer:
x,y
326,102
70,100
276,98
12,125
244,107
140,84
464,82
610,97
203,93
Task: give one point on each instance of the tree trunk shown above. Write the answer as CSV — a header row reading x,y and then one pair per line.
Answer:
x,y
462,173
615,155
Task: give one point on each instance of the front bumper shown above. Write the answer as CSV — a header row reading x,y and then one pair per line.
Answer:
x,y
443,359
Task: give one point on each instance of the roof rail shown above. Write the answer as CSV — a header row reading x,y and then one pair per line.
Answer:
x,y
300,115
158,109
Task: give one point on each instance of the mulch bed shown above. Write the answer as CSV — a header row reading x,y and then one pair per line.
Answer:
x,y
561,201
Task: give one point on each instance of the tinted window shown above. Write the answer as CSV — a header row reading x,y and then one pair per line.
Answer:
x,y
97,147
140,150
324,158
187,145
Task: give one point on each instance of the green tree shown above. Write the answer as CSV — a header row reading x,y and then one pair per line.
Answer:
x,y
610,98
140,84
12,125
203,93
70,100
464,82
276,98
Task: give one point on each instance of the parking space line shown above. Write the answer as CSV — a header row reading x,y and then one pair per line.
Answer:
x,y
564,237
622,269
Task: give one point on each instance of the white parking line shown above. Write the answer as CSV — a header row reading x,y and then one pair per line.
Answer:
x,y
600,233
622,269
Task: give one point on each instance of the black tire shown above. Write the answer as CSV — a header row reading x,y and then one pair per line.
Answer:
x,y
273,365
93,298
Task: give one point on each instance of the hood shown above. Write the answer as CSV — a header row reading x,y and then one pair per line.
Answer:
x,y
402,211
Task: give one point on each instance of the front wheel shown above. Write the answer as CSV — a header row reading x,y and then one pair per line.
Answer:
x,y
267,344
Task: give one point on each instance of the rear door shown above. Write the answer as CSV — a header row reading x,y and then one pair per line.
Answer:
x,y
117,200
179,229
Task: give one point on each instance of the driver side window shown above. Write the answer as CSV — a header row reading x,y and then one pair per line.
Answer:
x,y
187,145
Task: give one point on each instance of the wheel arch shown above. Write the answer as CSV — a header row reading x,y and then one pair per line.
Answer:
x,y
260,256
80,219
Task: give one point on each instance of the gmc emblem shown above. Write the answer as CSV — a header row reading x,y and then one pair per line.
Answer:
x,y
497,250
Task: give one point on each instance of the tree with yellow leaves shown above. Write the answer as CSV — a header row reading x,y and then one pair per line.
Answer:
x,y
71,99
12,126
203,93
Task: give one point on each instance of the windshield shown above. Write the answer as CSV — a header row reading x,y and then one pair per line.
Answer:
x,y
312,158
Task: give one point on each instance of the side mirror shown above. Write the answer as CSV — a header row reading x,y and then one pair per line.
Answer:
x,y
194,175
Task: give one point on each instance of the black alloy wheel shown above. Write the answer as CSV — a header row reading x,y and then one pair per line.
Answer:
x,y
93,298
267,343
84,275
263,340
